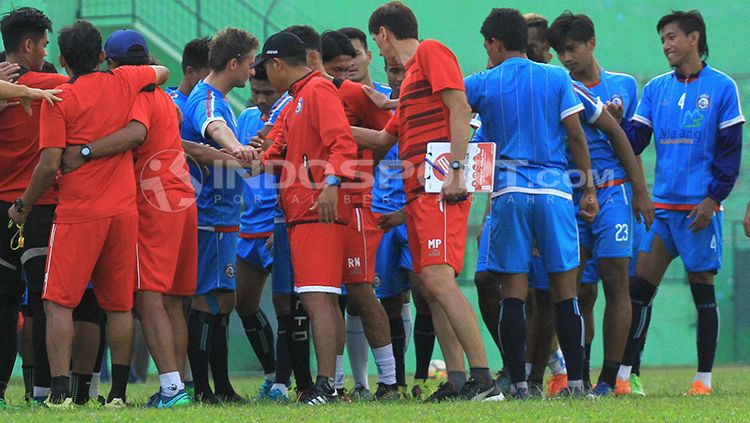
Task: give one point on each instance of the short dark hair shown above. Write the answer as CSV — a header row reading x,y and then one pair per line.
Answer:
x,y
260,73
688,22
81,46
308,35
355,34
335,44
507,26
22,23
578,28
228,44
195,54
395,17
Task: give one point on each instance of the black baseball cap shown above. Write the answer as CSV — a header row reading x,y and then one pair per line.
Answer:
x,y
281,44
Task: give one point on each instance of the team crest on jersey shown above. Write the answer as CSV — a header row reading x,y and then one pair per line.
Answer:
x,y
229,270
703,102
300,104
617,99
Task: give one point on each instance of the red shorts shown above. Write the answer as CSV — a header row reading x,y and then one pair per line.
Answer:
x,y
317,254
437,232
362,240
167,249
102,251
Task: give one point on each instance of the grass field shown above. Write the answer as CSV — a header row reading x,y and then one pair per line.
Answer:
x,y
663,403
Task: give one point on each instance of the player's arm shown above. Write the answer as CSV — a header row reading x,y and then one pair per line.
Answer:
x,y
118,142
454,190
641,202
27,95
206,155
162,74
219,131
579,150
379,99
370,139
41,181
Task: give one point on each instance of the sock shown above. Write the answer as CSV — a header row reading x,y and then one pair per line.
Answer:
x,y
283,367
260,335
424,343
570,331
527,369
28,380
556,363
624,372
639,351
41,392
704,377
587,364
219,357
80,386
386,364
406,319
642,293
481,374
42,377
521,385
512,330
199,349
457,380
398,340
60,389
171,383
609,372
94,385
281,387
324,382
707,334
338,382
9,335
299,345
188,372
120,373
357,348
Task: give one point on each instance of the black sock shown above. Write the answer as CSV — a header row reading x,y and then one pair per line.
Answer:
x,y
9,335
642,293
42,376
587,365
79,386
609,372
199,350
283,367
424,343
299,345
260,335
324,383
570,328
120,375
512,330
704,297
60,389
102,348
481,374
636,369
219,357
28,380
398,338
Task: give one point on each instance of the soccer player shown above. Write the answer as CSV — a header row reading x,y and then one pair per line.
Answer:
x,y
338,53
529,206
194,68
211,121
99,219
694,115
359,71
318,144
433,106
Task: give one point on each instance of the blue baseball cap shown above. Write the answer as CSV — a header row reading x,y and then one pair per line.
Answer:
x,y
119,43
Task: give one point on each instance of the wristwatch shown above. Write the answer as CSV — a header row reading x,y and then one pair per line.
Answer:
x,y
19,205
86,153
333,180
456,165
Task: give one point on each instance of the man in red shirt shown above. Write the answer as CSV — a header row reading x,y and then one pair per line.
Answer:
x,y
318,146
95,229
433,107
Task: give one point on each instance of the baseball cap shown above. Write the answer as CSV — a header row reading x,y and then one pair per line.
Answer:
x,y
118,44
281,44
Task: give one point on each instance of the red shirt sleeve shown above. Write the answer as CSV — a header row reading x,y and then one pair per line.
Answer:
x,y
334,130
439,66
142,108
136,77
392,126
360,110
52,131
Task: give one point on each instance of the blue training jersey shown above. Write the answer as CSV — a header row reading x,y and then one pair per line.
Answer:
x,y
522,105
619,88
258,193
220,196
276,109
388,193
686,116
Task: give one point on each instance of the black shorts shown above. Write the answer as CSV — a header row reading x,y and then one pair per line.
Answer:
x,y
36,233
11,282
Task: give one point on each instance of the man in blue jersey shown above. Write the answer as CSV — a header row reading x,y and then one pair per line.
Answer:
x,y
694,115
210,120
194,68
533,193
620,187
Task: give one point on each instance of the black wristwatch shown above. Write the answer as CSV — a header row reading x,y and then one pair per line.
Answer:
x,y
456,165
86,153
18,205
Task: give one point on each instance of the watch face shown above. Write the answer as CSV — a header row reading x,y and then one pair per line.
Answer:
x,y
85,151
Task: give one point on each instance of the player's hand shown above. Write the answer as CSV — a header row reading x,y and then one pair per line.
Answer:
x,y
702,214
454,187
9,71
4,104
71,159
16,217
389,221
615,110
327,204
269,244
746,221
379,99
259,141
643,208
247,154
37,94
588,205
535,252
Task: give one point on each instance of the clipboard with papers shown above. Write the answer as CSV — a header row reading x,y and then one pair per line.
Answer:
x,y
479,169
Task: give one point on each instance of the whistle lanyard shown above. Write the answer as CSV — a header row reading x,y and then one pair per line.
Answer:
x,y
16,241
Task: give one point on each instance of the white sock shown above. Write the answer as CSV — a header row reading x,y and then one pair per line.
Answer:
x,y
386,364
188,372
281,387
703,377
623,373
94,387
338,381
556,363
170,383
356,347
41,392
528,370
406,317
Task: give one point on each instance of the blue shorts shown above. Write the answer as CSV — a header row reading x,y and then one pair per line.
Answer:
x,y
519,219
484,245
610,234
217,252
283,275
253,251
591,272
538,276
700,251
392,264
